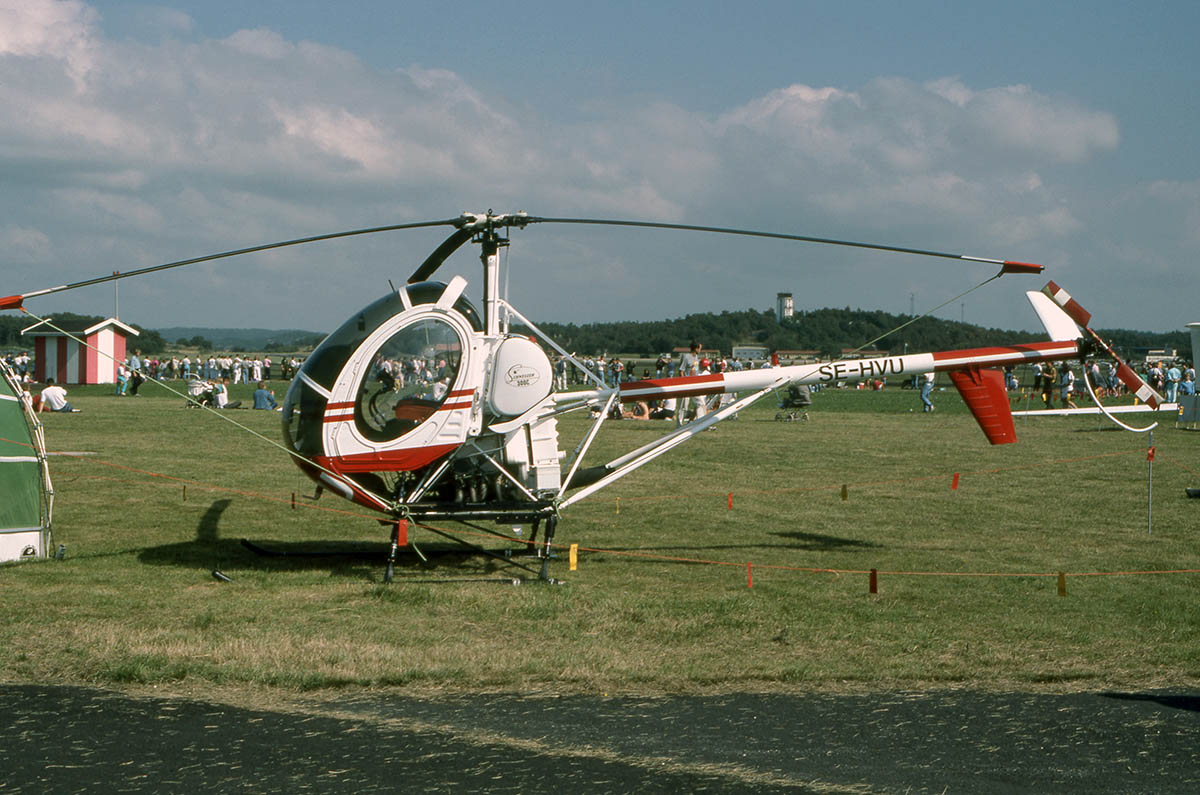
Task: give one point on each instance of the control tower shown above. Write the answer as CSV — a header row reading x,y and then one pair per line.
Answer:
x,y
785,308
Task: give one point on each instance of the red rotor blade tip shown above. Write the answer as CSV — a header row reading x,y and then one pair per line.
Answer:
x,y
11,302
1134,383
1021,267
1061,297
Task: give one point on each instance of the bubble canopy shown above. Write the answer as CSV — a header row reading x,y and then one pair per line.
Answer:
x,y
406,379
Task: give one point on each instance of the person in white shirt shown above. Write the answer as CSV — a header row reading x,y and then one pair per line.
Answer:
x,y
54,398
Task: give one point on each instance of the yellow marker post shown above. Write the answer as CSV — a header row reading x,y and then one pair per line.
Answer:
x,y
573,556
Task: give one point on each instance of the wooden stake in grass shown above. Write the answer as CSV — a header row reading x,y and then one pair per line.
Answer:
x,y
749,575
873,582
731,500
954,483
845,493
1062,583
573,557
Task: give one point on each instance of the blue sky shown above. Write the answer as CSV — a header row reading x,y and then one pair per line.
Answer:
x,y
1058,133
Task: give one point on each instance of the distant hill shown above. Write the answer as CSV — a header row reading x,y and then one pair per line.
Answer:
x,y
245,339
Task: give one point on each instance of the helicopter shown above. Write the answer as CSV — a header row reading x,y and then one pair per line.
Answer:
x,y
476,437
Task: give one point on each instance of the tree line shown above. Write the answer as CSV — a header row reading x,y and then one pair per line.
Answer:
x,y
829,332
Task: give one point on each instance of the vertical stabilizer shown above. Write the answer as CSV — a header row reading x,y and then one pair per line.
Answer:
x,y
984,393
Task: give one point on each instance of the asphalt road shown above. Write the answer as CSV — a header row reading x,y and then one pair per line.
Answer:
x,y
67,739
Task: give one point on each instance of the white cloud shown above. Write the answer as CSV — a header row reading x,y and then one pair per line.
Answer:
x,y
63,31
25,244
1018,117
260,43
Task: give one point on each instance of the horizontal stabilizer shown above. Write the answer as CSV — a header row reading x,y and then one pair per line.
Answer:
x,y
1169,408
984,393
1058,323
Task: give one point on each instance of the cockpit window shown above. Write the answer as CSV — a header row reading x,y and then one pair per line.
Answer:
x,y
409,378
327,361
303,415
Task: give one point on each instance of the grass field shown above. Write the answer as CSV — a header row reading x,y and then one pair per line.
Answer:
x,y
662,598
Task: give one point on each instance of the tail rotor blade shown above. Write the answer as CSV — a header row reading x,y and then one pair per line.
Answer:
x,y
1132,381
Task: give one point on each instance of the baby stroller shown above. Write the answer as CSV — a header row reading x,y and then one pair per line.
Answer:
x,y
799,398
200,392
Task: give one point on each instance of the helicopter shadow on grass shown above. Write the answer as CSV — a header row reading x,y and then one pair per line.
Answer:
x,y
809,542
819,542
357,559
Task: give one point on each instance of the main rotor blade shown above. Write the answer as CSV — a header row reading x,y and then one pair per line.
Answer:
x,y
439,255
1007,266
14,301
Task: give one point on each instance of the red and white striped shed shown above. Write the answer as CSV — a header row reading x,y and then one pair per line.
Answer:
x,y
67,361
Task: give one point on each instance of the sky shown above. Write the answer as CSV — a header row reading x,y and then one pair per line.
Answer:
x,y
1060,133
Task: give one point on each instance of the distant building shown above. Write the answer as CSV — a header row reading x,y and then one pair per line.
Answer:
x,y
1160,355
56,355
784,306
797,356
750,352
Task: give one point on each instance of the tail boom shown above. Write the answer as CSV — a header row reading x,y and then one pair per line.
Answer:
x,y
849,370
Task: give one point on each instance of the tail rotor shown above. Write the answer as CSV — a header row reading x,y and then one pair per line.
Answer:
x,y
1132,381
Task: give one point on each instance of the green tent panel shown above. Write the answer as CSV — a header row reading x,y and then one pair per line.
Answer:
x,y
25,493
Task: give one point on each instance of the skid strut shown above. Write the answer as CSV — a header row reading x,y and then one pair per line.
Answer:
x,y
544,554
399,529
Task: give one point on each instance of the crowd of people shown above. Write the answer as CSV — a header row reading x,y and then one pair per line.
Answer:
x,y
428,377
237,369
1051,380
614,371
209,378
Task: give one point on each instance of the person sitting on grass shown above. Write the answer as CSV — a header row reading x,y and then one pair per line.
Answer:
x,y
221,395
54,398
265,398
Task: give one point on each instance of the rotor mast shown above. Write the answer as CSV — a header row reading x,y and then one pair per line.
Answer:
x,y
491,244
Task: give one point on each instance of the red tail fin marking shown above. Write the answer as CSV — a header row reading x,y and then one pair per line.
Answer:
x,y
984,393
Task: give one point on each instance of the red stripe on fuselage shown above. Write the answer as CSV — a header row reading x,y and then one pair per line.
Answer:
x,y
1007,354
685,386
385,460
